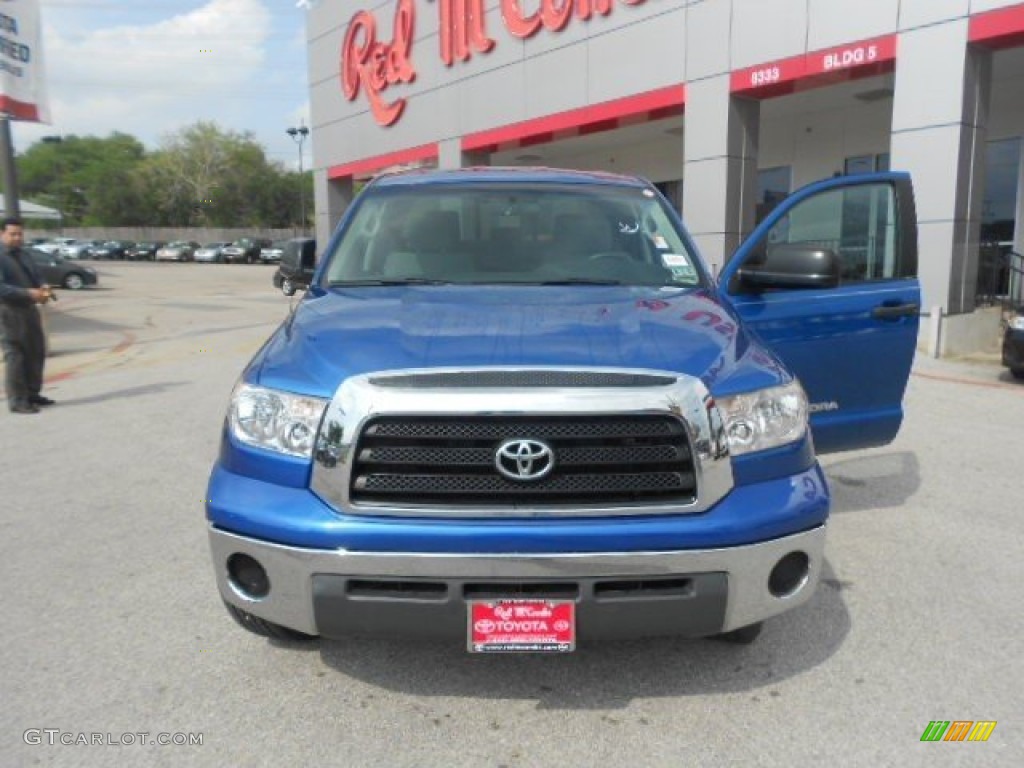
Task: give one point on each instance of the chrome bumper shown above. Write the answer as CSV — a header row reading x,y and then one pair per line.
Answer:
x,y
291,571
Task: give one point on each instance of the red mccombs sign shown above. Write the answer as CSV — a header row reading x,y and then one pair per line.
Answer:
x,y
374,65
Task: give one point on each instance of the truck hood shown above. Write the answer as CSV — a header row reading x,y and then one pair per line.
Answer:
x,y
337,333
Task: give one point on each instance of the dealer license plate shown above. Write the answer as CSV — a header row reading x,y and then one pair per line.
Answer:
x,y
522,626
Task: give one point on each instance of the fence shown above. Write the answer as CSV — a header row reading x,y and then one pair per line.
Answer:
x,y
1000,276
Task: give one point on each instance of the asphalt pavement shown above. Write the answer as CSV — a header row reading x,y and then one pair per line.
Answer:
x,y
113,628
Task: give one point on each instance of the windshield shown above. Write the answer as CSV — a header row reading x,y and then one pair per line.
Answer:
x,y
530,233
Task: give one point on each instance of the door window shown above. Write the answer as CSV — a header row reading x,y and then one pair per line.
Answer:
x,y
858,223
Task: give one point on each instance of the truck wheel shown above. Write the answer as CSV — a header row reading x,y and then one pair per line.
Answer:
x,y
742,636
265,628
287,287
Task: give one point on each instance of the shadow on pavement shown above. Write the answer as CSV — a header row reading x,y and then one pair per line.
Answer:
x,y
121,394
875,481
604,675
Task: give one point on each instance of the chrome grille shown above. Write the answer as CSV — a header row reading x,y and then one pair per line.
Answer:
x,y
449,460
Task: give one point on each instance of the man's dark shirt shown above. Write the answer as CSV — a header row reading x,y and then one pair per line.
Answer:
x,y
17,275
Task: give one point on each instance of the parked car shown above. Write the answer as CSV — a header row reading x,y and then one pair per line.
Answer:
x,y
535,416
272,253
298,262
111,249
144,251
179,250
245,250
211,252
79,249
1013,345
58,271
54,244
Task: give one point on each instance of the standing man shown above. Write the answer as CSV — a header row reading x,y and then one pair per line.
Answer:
x,y
21,328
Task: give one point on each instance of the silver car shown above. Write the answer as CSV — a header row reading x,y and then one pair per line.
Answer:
x,y
179,250
79,249
211,252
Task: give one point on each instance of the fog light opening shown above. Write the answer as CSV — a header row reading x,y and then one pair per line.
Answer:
x,y
248,576
789,574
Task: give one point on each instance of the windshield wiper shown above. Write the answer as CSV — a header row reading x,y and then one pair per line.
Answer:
x,y
388,282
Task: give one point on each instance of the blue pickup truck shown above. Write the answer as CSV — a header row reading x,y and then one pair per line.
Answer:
x,y
515,409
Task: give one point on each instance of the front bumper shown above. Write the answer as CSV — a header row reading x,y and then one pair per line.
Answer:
x,y
618,594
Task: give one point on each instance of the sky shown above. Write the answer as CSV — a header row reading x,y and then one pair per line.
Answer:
x,y
149,67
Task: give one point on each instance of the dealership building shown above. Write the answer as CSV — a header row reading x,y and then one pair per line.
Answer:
x,y
727,105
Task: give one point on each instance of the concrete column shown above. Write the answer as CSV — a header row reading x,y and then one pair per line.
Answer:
x,y
719,167
940,113
331,198
450,156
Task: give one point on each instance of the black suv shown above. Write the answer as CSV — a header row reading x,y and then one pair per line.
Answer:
x,y
245,250
298,261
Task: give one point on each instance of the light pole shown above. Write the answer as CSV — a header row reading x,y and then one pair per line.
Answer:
x,y
60,178
299,137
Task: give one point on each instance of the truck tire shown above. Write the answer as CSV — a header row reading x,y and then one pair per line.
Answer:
x,y
742,636
1017,373
265,628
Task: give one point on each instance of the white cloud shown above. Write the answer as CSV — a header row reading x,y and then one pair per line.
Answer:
x,y
150,79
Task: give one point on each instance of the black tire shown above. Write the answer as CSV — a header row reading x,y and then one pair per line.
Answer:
x,y
742,636
1017,373
73,281
287,287
265,628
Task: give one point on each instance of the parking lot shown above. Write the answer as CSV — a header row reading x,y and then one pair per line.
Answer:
x,y
113,624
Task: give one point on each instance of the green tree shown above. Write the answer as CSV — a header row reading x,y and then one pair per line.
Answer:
x,y
200,175
205,176
91,180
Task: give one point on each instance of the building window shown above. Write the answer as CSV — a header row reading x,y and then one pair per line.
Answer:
x,y
773,186
866,164
999,205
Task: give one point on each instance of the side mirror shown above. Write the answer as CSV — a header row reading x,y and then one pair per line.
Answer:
x,y
792,265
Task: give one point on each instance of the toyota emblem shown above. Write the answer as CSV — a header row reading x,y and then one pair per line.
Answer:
x,y
520,459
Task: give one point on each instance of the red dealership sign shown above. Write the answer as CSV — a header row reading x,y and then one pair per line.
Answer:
x,y
374,65
775,78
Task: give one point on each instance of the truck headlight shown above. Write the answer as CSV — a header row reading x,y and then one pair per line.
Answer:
x,y
275,420
764,419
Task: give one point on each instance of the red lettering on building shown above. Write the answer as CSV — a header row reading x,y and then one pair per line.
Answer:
x,y
553,15
463,28
374,65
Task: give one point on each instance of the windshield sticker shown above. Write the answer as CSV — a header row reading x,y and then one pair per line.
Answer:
x,y
660,243
683,273
675,260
